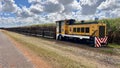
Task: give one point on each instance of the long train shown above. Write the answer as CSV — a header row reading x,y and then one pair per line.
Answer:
x,y
93,33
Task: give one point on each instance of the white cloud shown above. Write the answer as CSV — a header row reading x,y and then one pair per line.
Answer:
x,y
66,2
50,7
34,1
89,7
36,9
24,12
6,21
115,13
88,2
41,11
9,6
109,5
0,6
110,8
74,6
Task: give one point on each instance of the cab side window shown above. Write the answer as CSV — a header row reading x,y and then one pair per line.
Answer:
x,y
74,29
82,30
87,30
78,29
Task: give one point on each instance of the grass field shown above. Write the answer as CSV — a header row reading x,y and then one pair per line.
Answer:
x,y
114,45
61,56
56,60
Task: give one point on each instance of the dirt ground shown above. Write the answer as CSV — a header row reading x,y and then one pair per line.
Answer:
x,y
37,61
10,56
85,57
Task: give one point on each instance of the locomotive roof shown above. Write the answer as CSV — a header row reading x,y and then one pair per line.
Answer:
x,y
95,22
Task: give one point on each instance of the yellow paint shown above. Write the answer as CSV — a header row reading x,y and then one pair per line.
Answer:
x,y
68,29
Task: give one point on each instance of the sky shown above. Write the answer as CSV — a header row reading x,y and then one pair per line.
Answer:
x,y
15,13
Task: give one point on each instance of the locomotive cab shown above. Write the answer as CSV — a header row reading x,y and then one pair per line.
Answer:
x,y
62,27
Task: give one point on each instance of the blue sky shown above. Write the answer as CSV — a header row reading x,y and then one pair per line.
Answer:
x,y
22,3
28,12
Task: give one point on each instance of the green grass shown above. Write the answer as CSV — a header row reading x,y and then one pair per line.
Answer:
x,y
55,58
111,49
108,51
52,57
114,45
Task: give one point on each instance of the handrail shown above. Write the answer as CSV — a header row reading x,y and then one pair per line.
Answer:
x,y
94,32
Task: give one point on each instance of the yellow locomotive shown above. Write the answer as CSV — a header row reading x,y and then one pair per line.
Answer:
x,y
92,32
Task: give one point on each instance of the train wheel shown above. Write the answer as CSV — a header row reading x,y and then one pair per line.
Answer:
x,y
59,37
91,43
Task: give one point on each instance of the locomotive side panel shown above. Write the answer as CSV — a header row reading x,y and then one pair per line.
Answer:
x,y
93,33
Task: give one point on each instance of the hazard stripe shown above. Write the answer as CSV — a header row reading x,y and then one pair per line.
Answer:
x,y
98,41
105,41
97,45
102,39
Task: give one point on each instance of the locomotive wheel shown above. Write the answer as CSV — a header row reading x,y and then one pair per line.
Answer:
x,y
59,37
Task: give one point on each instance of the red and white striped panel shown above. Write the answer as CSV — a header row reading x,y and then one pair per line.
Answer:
x,y
98,41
